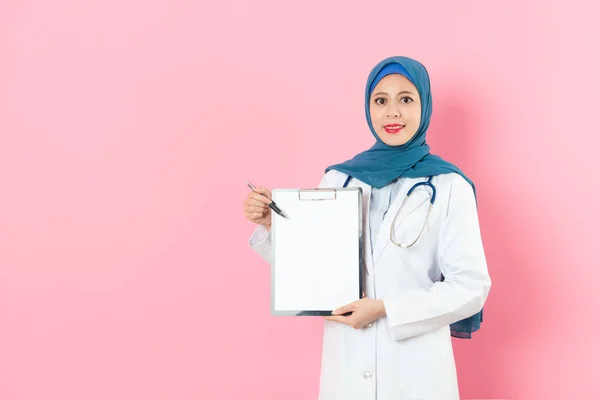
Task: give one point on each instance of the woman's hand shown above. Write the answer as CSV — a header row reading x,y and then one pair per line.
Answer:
x,y
364,311
256,207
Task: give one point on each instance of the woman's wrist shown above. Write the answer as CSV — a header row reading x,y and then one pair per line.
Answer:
x,y
381,309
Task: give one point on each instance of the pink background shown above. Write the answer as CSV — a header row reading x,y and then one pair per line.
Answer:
x,y
127,129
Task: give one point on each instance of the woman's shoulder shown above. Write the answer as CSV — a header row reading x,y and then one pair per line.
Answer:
x,y
333,178
454,190
444,181
452,179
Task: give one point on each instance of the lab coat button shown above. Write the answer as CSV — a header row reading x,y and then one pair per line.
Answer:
x,y
367,375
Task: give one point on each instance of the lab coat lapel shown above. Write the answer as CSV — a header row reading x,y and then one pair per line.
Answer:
x,y
367,253
417,198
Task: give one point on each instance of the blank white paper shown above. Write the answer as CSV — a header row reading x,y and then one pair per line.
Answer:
x,y
316,251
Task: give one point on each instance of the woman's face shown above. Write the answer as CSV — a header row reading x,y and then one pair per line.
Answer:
x,y
395,108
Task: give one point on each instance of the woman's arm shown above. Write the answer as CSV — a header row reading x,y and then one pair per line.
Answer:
x,y
463,264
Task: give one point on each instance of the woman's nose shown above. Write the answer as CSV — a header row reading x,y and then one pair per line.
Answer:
x,y
392,109
392,112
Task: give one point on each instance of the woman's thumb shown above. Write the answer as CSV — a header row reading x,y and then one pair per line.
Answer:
x,y
341,310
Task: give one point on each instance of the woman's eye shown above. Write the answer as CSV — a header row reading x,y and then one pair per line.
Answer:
x,y
406,100
380,101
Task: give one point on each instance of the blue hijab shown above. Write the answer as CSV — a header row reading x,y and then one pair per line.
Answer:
x,y
382,164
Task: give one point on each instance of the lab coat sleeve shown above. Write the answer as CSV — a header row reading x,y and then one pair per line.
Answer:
x,y
462,261
260,240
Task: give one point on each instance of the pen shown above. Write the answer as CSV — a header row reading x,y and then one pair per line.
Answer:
x,y
272,205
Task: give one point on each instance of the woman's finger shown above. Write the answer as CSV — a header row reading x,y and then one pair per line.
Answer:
x,y
255,215
257,197
256,203
256,209
264,191
344,309
337,318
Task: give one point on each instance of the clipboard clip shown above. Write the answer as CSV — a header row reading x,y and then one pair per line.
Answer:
x,y
317,194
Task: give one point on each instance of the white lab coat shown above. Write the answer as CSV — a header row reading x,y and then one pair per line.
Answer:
x,y
408,353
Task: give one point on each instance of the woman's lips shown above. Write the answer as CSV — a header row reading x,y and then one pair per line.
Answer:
x,y
393,128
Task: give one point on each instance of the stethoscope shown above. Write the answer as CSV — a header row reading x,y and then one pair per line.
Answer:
x,y
410,192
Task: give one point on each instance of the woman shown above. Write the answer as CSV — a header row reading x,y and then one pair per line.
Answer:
x,y
396,343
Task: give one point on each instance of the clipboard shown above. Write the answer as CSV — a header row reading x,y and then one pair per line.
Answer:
x,y
318,258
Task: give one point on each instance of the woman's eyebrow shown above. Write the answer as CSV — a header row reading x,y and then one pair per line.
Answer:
x,y
402,92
